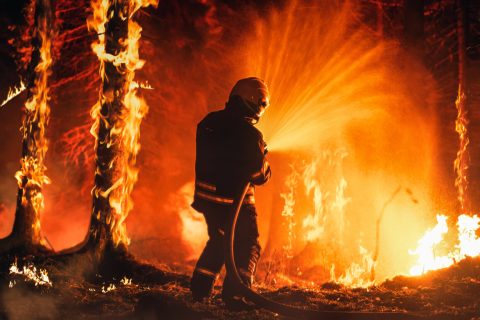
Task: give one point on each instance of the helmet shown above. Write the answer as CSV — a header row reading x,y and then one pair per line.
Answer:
x,y
254,96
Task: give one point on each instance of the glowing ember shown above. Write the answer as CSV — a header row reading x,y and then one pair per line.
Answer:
x,y
126,281
124,133
145,85
38,277
109,288
13,92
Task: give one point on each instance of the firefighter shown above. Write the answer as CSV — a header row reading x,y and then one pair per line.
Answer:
x,y
230,151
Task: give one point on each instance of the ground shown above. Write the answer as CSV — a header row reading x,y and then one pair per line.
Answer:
x,y
157,293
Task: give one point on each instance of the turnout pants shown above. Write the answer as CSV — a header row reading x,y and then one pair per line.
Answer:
x,y
212,259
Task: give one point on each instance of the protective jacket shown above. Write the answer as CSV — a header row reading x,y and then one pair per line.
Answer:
x,y
230,151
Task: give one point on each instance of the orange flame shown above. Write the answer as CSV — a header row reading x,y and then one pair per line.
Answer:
x,y
38,276
357,275
338,87
427,259
13,92
462,160
468,244
194,232
329,211
288,211
128,131
31,177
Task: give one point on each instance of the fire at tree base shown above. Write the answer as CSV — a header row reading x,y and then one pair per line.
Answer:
x,y
360,140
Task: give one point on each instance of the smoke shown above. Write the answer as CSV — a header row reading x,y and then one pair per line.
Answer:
x,y
23,304
334,86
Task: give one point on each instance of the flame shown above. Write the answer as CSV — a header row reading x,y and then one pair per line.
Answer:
x,y
193,224
325,187
328,218
109,288
341,87
31,177
126,281
288,211
13,92
462,160
357,275
427,259
329,212
314,223
125,133
145,85
38,277
468,244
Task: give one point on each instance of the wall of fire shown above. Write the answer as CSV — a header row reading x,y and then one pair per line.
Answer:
x,y
194,52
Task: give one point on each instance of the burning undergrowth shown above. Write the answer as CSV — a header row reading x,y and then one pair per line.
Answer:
x,y
347,202
339,133
444,294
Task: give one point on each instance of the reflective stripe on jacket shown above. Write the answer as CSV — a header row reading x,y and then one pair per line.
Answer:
x,y
206,192
229,151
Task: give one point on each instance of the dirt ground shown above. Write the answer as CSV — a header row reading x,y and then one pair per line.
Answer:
x,y
157,293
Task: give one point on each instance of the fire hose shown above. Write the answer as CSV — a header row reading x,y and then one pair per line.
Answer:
x,y
280,308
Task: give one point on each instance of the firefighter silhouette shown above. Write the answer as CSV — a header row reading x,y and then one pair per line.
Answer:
x,y
230,151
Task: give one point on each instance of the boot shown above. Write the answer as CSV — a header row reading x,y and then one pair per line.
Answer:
x,y
230,295
201,286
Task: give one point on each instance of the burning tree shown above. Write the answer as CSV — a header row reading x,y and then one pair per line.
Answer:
x,y
328,94
462,160
117,116
26,234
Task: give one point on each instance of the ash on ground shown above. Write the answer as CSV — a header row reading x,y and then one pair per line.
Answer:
x,y
444,294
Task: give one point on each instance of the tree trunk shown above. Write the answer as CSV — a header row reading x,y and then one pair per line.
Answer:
x,y
26,231
117,118
462,162
110,157
414,27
